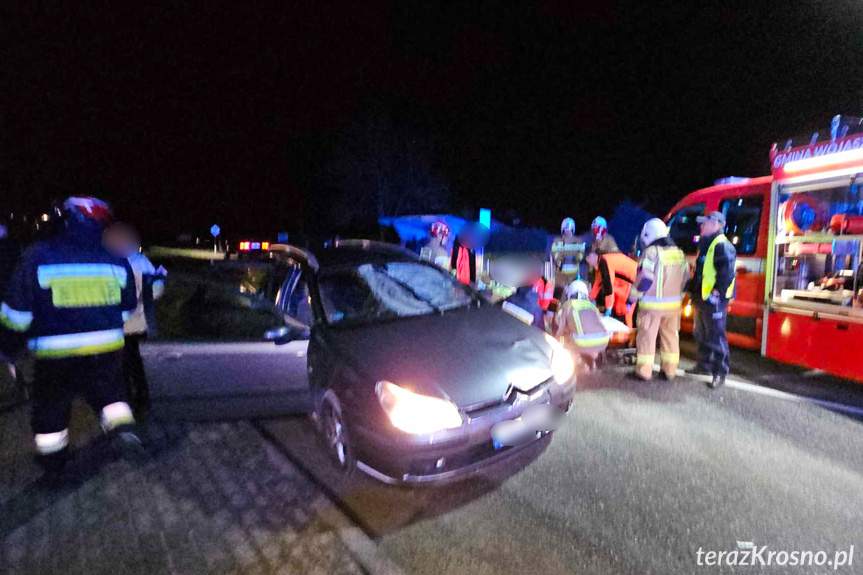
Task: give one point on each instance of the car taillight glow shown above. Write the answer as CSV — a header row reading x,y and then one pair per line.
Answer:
x,y
244,246
265,245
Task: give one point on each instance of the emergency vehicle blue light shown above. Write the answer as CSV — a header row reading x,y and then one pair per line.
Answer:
x,y
485,217
256,245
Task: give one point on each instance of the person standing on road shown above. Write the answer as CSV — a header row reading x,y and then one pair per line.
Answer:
x,y
123,241
436,251
663,272
712,287
601,241
71,297
615,273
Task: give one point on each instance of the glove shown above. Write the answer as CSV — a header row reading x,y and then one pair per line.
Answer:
x,y
713,298
607,313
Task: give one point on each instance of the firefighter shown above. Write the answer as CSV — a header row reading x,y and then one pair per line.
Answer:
x,y
662,275
712,287
601,241
436,251
615,273
579,322
567,253
71,297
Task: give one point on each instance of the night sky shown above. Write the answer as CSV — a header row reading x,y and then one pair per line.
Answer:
x,y
194,114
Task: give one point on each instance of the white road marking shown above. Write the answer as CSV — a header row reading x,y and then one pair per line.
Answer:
x,y
770,392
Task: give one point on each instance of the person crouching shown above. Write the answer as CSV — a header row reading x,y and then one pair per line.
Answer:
x,y
579,322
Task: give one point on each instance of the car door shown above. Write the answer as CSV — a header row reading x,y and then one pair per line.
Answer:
x,y
222,347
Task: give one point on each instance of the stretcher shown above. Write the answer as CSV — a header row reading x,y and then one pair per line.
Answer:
x,y
621,344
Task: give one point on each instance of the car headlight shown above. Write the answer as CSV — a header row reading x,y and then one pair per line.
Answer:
x,y
562,364
414,413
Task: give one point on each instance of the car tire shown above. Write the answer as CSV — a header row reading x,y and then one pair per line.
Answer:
x,y
335,433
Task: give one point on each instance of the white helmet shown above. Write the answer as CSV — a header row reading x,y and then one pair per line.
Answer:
x,y
653,230
567,225
577,289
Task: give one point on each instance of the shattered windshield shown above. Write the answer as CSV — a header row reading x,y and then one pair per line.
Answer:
x,y
389,290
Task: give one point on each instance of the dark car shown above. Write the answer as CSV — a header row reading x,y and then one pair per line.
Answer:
x,y
405,369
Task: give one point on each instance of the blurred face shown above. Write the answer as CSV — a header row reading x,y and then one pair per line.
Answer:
x,y
710,227
473,236
121,240
516,271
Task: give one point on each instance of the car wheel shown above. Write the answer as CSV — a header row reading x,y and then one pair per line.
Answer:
x,y
335,433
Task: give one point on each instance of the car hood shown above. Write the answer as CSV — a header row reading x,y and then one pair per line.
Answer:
x,y
470,356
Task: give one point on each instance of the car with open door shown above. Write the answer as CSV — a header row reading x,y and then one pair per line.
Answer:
x,y
222,344
405,370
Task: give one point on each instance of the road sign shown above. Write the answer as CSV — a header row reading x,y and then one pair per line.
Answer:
x,y
215,231
283,237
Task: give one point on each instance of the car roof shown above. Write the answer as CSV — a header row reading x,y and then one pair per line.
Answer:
x,y
357,252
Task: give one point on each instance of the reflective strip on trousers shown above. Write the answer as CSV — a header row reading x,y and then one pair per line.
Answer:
x,y
48,443
76,344
643,358
666,303
669,357
116,414
582,341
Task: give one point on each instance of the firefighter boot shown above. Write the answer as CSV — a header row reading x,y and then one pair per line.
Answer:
x,y
668,371
643,371
127,443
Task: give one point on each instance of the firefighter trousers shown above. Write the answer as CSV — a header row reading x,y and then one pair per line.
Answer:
x,y
666,326
97,378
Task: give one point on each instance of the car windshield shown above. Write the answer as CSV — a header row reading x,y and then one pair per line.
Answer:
x,y
381,291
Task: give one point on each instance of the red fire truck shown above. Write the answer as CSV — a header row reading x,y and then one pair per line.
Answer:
x,y
799,236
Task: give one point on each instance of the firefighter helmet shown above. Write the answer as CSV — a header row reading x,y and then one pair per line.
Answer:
x,y
90,212
599,225
439,229
576,290
567,225
653,230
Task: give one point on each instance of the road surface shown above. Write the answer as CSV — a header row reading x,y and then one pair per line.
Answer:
x,y
642,477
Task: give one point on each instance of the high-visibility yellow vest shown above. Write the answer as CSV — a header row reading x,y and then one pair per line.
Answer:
x,y
708,274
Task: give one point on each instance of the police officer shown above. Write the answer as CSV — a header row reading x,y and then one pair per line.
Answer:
x,y
713,286
71,297
663,272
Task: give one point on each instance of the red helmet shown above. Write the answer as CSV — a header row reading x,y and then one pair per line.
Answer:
x,y
90,211
599,224
439,228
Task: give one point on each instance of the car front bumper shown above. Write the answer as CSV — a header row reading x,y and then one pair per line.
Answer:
x,y
402,459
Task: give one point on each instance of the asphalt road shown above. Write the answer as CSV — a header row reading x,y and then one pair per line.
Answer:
x,y
640,479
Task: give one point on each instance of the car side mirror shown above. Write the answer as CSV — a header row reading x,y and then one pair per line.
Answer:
x,y
284,334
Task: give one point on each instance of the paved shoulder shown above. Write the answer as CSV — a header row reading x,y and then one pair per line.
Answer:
x,y
216,499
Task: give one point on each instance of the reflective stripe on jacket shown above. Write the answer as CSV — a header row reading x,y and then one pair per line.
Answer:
x,y
580,322
662,275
